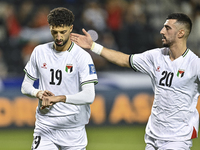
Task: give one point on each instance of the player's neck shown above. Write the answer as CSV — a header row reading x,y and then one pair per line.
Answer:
x,y
176,51
64,47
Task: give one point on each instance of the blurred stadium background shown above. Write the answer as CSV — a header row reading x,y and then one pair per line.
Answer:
x,y
123,98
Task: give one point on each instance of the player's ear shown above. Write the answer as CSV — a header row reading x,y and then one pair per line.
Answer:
x,y
181,33
71,27
50,27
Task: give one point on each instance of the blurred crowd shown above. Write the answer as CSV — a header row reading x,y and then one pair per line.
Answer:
x,y
130,26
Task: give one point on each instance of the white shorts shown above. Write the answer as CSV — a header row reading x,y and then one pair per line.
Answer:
x,y
154,144
59,139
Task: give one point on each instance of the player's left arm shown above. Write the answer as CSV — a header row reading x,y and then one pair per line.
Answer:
x,y
86,96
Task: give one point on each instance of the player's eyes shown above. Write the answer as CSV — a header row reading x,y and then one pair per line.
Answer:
x,y
63,32
167,28
54,32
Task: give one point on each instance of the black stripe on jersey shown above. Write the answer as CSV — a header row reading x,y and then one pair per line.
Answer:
x,y
132,66
31,77
185,53
89,81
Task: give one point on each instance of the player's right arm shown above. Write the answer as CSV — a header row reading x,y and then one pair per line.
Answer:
x,y
86,42
28,89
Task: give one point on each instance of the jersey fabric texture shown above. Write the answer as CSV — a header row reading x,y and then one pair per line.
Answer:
x,y
157,144
174,116
62,73
55,139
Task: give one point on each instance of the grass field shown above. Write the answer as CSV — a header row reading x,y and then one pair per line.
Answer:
x,y
100,138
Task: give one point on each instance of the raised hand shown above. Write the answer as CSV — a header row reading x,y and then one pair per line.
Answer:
x,y
84,41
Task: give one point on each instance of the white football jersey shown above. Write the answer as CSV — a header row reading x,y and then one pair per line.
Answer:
x,y
62,73
175,83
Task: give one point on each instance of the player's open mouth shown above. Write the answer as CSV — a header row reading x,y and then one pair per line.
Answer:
x,y
59,42
163,38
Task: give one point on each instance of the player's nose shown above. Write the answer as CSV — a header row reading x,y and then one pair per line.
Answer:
x,y
58,36
162,31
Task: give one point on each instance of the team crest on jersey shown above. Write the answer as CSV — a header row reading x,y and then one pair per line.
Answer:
x,y
69,68
180,73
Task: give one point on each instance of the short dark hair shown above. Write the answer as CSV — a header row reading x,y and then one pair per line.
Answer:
x,y
60,16
182,19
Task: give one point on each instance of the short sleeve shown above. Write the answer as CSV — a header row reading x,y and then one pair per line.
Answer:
x,y
31,67
142,62
87,71
198,69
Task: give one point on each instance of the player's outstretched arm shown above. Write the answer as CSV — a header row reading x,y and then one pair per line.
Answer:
x,y
85,41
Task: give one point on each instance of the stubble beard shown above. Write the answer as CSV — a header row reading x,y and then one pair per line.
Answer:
x,y
60,45
165,45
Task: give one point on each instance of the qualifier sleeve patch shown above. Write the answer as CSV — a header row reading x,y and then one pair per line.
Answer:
x,y
92,69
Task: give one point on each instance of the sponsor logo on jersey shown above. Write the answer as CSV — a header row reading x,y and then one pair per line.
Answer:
x,y
180,73
158,69
92,69
69,68
44,66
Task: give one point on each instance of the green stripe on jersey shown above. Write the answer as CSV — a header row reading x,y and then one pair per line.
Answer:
x,y
91,81
70,48
185,53
32,78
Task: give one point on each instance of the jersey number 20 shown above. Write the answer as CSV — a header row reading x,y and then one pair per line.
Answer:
x,y
166,80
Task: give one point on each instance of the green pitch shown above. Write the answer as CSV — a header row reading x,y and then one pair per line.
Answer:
x,y
100,138
116,138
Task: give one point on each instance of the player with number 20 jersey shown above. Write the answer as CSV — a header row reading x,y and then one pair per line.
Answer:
x,y
174,79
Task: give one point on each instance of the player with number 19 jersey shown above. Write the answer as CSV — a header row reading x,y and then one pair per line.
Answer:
x,y
174,115
62,73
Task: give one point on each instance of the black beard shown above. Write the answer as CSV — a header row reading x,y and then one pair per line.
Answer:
x,y
165,45
62,44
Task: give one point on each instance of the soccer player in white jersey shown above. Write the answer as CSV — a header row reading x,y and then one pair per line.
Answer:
x,y
175,74
67,77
